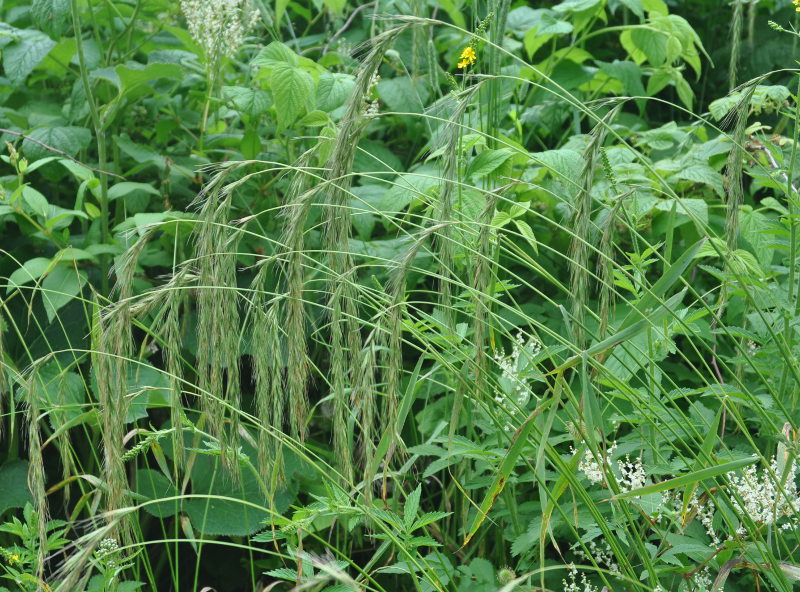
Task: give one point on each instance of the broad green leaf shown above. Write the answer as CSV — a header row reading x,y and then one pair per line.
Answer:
x,y
69,139
30,271
125,188
51,15
293,90
251,143
152,485
316,118
14,491
487,162
35,202
249,101
275,54
60,287
333,89
132,75
21,57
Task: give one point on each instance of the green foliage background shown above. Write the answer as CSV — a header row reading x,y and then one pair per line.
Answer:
x,y
301,294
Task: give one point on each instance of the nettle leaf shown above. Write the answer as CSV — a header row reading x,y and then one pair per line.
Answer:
x,y
69,139
333,89
249,101
702,173
50,15
293,90
20,58
59,288
275,54
487,162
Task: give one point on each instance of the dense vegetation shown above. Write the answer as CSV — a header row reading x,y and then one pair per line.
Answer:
x,y
436,296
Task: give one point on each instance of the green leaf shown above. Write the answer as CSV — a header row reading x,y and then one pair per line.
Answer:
x,y
293,89
14,491
60,287
249,101
251,143
35,202
316,118
126,188
645,44
702,173
275,54
411,507
30,271
50,15
333,89
487,162
20,58
152,485
69,139
237,509
133,75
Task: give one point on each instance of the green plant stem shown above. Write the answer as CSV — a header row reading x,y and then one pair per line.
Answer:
x,y
99,131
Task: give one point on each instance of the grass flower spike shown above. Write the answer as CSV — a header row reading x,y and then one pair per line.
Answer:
x,y
468,57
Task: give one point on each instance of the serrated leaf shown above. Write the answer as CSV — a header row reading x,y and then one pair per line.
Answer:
x,y
274,54
429,518
292,89
69,139
411,507
251,102
487,162
333,89
20,58
51,15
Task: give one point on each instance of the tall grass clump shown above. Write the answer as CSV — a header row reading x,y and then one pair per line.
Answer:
x,y
553,346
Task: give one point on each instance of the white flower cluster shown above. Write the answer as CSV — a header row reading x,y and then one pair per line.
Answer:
x,y
632,474
573,585
592,466
512,372
604,557
371,108
762,496
219,26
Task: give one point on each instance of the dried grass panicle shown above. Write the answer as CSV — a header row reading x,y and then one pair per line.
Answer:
x,y
581,228
4,382
481,279
299,203
345,330
114,349
268,370
733,169
36,474
218,333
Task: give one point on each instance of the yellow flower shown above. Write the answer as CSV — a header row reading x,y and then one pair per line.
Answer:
x,y
13,558
468,56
